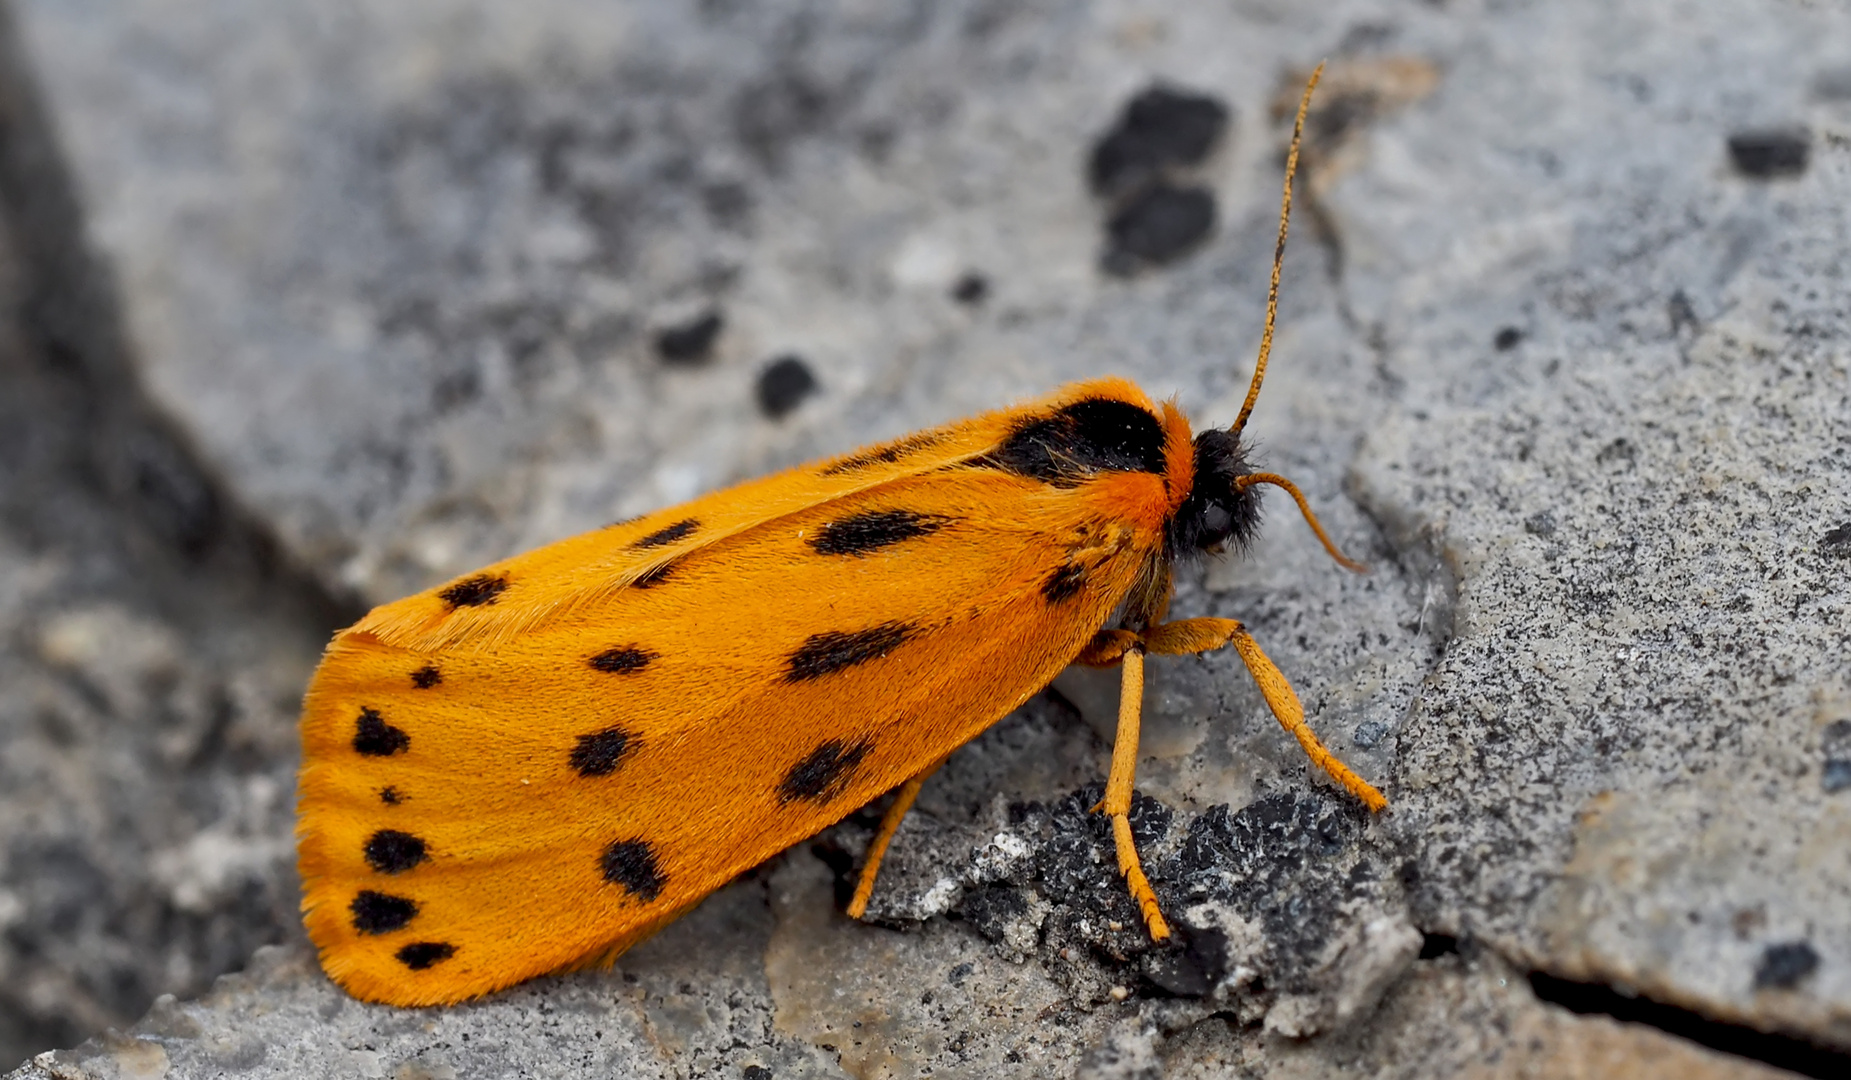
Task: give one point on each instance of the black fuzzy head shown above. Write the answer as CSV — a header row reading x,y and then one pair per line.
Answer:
x,y
1216,512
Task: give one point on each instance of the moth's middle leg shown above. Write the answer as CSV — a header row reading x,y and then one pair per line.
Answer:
x,y
877,849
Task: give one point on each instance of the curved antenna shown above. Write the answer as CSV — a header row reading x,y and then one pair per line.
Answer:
x,y
1304,508
1272,291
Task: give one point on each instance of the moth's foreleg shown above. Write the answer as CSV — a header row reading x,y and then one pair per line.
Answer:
x,y
877,850
1118,787
1204,635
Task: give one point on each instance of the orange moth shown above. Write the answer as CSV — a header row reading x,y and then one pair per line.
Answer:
x,y
535,766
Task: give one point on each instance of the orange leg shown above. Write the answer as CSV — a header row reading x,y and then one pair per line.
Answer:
x,y
1118,788
877,850
1204,635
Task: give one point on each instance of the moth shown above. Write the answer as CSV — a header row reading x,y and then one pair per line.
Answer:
x,y
535,766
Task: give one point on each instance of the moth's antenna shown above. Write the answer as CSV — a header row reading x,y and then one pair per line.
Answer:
x,y
1272,291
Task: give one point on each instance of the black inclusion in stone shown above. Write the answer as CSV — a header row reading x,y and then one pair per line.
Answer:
x,y
422,954
632,865
871,530
823,774
971,289
392,852
1783,965
474,591
1837,542
622,661
380,913
1160,127
1064,583
783,385
1765,155
374,737
668,534
1160,224
597,754
832,651
690,342
1080,440
426,677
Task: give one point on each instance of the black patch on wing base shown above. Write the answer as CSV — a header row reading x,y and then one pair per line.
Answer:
x,y
426,677
632,865
1079,441
824,774
830,652
422,954
373,737
1064,583
668,534
623,660
390,796
859,534
597,754
380,913
474,591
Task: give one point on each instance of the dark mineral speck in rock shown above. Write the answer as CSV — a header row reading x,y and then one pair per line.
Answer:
x,y
1836,775
1771,153
1160,127
690,342
1783,965
1370,733
1507,339
783,385
971,289
1835,745
1837,542
1158,226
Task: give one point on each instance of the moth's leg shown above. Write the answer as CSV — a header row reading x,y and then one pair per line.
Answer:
x,y
1204,635
1106,648
1117,801
877,850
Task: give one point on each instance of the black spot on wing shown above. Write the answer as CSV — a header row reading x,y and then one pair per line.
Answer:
x,y
831,651
474,591
374,737
859,534
656,575
632,865
380,913
597,754
1064,583
824,773
883,455
426,677
668,534
622,660
1080,440
390,796
422,954
392,852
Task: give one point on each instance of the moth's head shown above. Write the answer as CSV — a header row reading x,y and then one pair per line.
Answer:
x,y
1219,510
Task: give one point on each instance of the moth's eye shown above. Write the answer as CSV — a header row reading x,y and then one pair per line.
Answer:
x,y
1216,518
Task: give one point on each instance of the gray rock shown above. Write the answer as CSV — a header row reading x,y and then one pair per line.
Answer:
x,y
1568,369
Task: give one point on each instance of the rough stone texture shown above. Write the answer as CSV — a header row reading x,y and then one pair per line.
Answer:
x,y
1563,362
